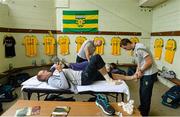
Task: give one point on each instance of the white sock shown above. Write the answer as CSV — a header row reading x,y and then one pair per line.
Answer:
x,y
107,77
111,81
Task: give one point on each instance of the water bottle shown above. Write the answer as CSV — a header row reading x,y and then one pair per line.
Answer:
x,y
10,66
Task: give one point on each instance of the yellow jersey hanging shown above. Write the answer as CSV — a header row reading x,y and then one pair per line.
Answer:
x,y
64,42
158,46
170,50
49,45
79,41
115,43
30,43
133,40
100,49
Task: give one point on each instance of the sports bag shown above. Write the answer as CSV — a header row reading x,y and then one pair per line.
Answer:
x,y
171,98
7,93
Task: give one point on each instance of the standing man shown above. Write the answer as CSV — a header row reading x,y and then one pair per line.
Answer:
x,y
87,50
146,71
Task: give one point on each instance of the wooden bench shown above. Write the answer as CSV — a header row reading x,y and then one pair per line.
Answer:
x,y
17,70
126,65
175,81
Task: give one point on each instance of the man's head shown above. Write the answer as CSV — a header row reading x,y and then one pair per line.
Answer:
x,y
98,43
126,44
43,75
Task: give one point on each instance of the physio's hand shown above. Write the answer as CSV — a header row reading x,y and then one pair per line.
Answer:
x,y
139,74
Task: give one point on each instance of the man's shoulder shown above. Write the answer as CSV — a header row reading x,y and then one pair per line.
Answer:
x,y
89,43
140,46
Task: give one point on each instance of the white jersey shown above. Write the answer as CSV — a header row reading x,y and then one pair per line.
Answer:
x,y
73,76
140,52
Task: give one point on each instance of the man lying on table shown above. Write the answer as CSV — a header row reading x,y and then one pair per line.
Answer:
x,y
94,71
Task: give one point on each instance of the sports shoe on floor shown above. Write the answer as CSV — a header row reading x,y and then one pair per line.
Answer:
x,y
103,103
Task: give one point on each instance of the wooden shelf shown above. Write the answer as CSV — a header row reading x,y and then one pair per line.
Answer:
x,y
175,81
15,70
126,65
20,30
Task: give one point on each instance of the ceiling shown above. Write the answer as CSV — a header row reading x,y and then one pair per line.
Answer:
x,y
150,3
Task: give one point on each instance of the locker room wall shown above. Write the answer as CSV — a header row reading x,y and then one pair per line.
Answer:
x,y
3,15
119,16
166,17
29,14
21,60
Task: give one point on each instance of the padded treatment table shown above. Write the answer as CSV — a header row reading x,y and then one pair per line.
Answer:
x,y
33,85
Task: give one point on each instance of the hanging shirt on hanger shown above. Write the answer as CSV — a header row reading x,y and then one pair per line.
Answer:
x,y
49,45
79,41
30,43
63,42
170,50
158,45
100,49
9,43
115,43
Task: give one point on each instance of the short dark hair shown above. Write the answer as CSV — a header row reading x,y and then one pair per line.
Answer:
x,y
124,42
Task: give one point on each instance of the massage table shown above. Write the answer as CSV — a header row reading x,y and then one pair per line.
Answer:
x,y
33,85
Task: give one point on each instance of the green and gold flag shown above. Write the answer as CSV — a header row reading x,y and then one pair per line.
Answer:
x,y
80,21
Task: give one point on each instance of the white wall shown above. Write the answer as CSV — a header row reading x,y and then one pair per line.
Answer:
x,y
26,14
119,15
116,15
35,14
166,17
3,15
21,59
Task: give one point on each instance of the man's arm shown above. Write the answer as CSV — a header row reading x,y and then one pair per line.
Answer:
x,y
53,68
87,53
59,81
147,65
59,67
123,77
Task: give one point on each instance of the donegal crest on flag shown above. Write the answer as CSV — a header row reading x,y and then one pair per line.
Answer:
x,y
80,21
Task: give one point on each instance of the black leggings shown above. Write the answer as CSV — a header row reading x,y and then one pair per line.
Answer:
x,y
91,73
79,59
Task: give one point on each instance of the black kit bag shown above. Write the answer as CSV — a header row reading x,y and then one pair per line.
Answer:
x,y
16,80
7,93
172,97
21,77
1,108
